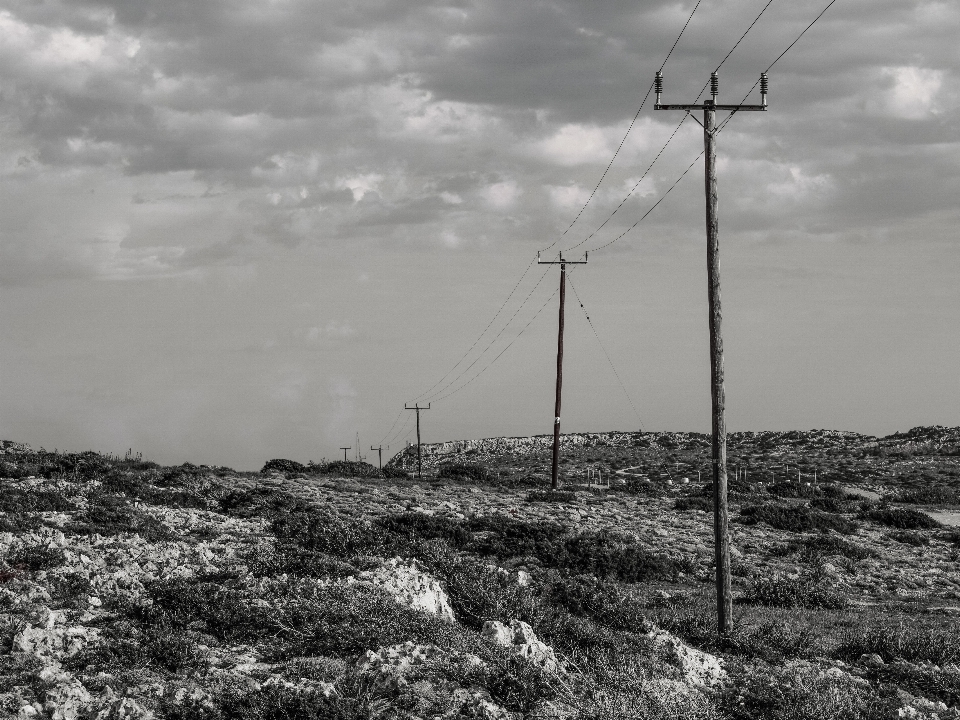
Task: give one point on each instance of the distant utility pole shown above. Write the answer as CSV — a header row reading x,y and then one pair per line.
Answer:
x,y
379,455
419,461
554,479
345,452
719,444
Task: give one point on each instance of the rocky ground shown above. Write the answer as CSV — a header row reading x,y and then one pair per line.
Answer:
x,y
133,591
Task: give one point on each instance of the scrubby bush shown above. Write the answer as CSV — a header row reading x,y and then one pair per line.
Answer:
x,y
810,590
346,468
19,522
158,646
893,640
909,537
283,466
900,518
799,691
929,495
411,526
260,502
477,590
696,502
269,702
16,500
813,547
467,472
795,518
328,533
933,683
35,557
112,515
550,496
287,559
392,471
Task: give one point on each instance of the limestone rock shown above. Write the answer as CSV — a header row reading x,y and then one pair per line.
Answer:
x,y
699,668
521,638
410,586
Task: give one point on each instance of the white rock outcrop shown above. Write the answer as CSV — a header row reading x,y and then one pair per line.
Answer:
x,y
410,586
520,637
698,668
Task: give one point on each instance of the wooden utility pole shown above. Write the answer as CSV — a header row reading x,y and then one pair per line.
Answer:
x,y
419,462
719,444
345,452
379,455
555,466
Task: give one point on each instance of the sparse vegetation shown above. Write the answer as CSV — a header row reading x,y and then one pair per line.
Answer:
x,y
250,596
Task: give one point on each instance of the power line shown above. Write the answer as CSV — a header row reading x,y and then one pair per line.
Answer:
x,y
756,20
757,82
609,360
486,367
480,336
642,217
800,35
626,134
391,427
632,190
492,342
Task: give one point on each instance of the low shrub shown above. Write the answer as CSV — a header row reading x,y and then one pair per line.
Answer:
x,y
759,691
410,526
347,620
19,522
909,537
35,557
391,471
477,590
933,683
893,640
549,496
929,495
16,500
346,468
328,533
900,518
269,702
809,590
463,471
112,515
157,646
602,601
814,547
283,466
795,518
260,502
288,559
696,502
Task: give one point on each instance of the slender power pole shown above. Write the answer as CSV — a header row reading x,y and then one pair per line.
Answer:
x,y
721,520
419,460
555,466
345,452
379,455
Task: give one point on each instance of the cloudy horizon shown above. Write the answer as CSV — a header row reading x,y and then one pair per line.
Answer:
x,y
234,231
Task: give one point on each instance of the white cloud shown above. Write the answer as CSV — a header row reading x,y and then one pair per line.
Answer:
x,y
914,92
567,197
575,144
502,195
360,185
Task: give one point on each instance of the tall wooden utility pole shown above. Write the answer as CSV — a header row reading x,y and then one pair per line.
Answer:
x,y
554,479
419,463
345,452
379,455
719,445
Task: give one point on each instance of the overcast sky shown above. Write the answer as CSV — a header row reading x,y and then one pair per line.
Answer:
x,y
232,230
